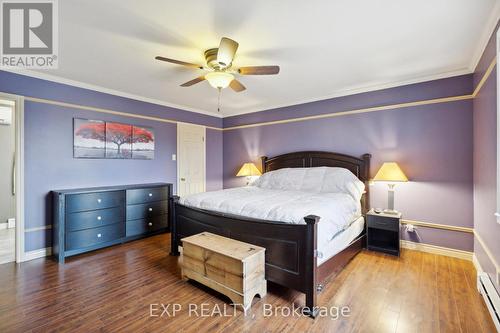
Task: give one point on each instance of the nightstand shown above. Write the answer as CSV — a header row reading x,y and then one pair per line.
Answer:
x,y
383,232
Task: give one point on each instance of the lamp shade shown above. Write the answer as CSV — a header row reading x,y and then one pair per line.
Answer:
x,y
248,169
390,172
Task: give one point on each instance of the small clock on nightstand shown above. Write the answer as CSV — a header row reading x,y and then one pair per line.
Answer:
x,y
383,232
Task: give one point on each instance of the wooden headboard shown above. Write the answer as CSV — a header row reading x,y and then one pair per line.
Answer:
x,y
307,159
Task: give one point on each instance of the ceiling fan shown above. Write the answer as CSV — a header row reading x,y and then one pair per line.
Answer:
x,y
219,64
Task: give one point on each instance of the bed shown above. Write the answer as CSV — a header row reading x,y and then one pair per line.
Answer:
x,y
296,254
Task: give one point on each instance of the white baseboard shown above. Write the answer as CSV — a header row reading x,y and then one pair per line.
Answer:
x,y
3,225
37,254
445,251
477,264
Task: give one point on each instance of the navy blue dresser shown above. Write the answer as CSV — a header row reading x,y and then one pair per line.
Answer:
x,y
87,219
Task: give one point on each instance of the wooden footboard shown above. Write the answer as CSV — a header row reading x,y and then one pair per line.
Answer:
x,y
289,251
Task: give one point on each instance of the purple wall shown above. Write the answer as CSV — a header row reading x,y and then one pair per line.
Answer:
x,y
49,147
214,160
432,143
485,162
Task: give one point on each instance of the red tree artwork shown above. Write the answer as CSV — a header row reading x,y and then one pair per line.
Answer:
x,y
142,135
143,143
92,130
119,134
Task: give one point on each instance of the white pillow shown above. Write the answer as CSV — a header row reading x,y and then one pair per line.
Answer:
x,y
318,180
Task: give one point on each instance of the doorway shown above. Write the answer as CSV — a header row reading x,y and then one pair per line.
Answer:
x,y
7,181
190,159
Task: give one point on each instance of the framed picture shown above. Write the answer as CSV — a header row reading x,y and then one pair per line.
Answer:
x,y
89,138
118,140
143,143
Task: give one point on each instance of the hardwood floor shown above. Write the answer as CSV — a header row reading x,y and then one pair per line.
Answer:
x,y
112,290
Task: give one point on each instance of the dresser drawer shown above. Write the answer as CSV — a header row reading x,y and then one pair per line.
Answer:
x,y
142,211
383,223
93,201
94,218
144,226
88,237
139,196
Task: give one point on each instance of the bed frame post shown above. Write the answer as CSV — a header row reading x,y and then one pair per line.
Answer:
x,y
366,178
174,251
263,160
311,265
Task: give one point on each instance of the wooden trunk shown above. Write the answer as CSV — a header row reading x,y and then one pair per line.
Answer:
x,y
231,267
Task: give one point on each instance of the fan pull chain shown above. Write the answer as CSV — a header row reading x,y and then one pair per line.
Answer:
x,y
218,99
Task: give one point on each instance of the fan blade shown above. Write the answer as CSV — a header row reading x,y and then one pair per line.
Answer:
x,y
226,52
237,86
193,81
178,62
259,70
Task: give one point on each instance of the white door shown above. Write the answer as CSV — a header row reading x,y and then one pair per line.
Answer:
x,y
190,159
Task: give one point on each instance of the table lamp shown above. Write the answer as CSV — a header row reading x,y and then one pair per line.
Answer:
x,y
390,173
248,170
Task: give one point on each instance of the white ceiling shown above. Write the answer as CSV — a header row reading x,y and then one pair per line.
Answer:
x,y
325,48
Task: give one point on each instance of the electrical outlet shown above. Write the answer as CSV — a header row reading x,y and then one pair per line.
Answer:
x,y
174,157
410,228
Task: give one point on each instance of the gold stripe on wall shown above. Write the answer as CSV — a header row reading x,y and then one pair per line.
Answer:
x,y
108,111
438,226
379,108
485,77
356,111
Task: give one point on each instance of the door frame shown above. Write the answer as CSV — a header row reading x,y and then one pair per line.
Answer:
x,y
497,213
19,171
179,126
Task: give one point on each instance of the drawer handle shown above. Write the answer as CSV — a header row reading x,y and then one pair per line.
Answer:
x,y
99,235
99,218
150,209
150,224
150,194
99,200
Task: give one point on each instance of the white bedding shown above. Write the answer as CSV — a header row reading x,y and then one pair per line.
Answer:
x,y
341,241
337,210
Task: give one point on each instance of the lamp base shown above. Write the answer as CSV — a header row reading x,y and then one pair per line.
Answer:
x,y
391,211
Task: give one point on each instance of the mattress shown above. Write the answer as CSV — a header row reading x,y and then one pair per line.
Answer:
x,y
341,241
336,210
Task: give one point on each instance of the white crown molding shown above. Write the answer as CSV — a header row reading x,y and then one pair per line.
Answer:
x,y
79,84
485,37
359,90
340,93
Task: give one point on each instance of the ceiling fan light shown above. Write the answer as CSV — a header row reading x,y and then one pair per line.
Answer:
x,y
219,80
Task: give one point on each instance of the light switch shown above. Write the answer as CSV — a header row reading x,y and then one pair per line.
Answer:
x,y
174,157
